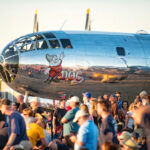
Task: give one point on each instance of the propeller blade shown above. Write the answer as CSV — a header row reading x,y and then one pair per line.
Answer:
x,y
88,22
36,24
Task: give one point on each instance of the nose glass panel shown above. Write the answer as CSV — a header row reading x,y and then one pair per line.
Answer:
x,y
9,63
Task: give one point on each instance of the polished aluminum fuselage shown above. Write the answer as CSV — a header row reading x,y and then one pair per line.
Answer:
x,y
98,62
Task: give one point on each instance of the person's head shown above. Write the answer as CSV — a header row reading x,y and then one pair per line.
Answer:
x,y
103,107
67,140
14,106
86,96
143,94
125,105
5,106
42,122
35,102
63,96
74,101
62,103
20,99
84,108
100,98
93,104
110,146
118,94
27,112
139,104
113,98
81,116
105,96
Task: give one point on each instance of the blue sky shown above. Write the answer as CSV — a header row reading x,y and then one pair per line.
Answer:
x,y
16,16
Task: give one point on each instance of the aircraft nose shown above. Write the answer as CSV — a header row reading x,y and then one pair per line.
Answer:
x,y
2,73
8,69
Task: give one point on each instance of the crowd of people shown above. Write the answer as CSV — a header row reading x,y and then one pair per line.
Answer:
x,y
104,123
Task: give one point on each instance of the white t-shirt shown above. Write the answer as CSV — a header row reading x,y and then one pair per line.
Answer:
x,y
130,120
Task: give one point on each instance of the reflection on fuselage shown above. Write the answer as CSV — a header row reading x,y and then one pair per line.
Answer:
x,y
49,63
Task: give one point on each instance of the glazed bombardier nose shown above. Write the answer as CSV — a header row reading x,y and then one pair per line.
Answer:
x,y
9,62
2,73
8,70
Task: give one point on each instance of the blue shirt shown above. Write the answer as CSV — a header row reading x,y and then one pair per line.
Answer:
x,y
16,124
88,134
70,125
88,105
120,104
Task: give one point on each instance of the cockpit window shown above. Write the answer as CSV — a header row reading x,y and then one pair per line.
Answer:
x,y
54,44
41,45
66,43
25,45
49,35
37,37
9,51
120,51
39,41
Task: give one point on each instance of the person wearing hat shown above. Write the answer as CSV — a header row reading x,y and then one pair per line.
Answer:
x,y
143,94
67,120
87,136
16,125
86,99
129,145
35,106
124,136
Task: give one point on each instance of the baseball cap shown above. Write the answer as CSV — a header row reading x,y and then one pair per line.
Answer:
x,y
87,94
74,99
130,144
124,136
41,118
35,99
143,93
79,114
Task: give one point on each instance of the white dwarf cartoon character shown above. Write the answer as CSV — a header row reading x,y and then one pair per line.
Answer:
x,y
55,67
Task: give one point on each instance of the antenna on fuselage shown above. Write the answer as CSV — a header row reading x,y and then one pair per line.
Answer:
x,y
63,24
36,24
88,21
